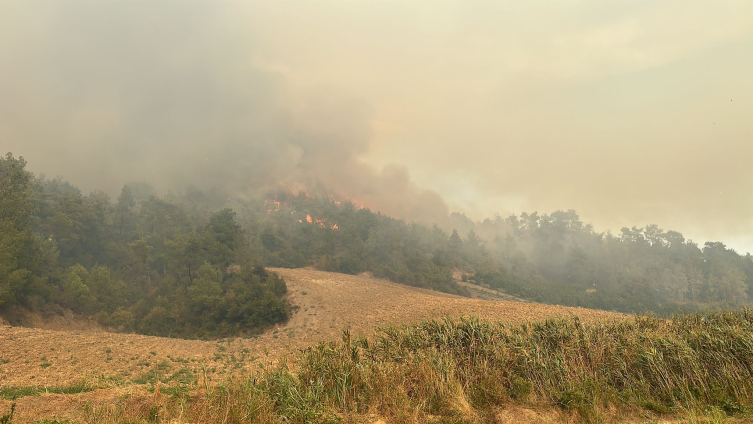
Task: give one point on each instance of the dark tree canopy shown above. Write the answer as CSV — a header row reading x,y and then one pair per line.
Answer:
x,y
153,266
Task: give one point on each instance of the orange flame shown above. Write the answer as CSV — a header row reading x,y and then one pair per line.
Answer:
x,y
335,227
269,202
308,219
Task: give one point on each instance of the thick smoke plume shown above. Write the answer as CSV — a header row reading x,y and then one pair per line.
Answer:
x,y
631,113
173,93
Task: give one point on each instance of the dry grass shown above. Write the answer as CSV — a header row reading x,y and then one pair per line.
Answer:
x,y
691,369
326,302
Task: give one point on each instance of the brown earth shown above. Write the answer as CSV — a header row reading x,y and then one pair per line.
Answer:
x,y
326,303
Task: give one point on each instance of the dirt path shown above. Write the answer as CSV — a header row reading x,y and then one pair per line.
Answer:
x,y
326,303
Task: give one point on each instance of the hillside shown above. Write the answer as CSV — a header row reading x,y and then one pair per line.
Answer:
x,y
324,304
192,264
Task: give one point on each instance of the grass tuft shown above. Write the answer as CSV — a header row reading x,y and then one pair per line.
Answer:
x,y
16,392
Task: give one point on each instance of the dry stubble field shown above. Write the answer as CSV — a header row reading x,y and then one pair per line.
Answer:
x,y
326,303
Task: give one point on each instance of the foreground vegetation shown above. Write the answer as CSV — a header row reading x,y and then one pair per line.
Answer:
x,y
469,371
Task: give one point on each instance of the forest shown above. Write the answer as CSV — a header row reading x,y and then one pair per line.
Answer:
x,y
145,265
192,264
549,258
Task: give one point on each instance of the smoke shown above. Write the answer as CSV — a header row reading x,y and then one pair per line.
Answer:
x,y
629,112
177,93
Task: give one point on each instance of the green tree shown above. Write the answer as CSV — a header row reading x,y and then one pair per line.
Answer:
x,y
75,294
224,237
126,203
674,282
205,294
729,287
15,229
141,251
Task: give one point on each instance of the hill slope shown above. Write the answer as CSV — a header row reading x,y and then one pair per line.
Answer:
x,y
326,303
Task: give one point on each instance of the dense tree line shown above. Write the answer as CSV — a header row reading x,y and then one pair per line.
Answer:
x,y
553,258
146,263
140,263
557,259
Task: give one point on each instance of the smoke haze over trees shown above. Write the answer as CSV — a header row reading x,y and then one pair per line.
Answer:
x,y
629,113
190,264
142,104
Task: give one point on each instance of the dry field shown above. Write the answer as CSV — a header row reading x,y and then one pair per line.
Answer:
x,y
325,302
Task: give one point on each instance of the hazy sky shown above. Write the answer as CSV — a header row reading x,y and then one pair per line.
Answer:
x,y
631,112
